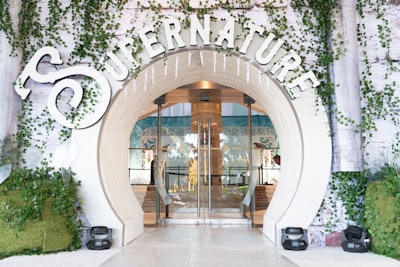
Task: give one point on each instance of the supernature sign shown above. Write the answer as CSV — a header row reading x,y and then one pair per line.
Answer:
x,y
252,41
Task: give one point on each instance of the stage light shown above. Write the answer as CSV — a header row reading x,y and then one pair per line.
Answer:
x,y
355,239
99,237
294,238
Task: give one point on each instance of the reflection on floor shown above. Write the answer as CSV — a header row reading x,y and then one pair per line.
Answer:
x,y
150,218
183,205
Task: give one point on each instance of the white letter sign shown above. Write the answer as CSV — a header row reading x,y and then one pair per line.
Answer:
x,y
58,77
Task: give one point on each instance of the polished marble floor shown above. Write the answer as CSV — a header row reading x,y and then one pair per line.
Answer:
x,y
200,246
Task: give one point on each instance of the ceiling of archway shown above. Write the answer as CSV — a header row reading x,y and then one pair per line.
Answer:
x,y
202,91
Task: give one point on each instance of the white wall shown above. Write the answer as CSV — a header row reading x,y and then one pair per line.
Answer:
x,y
376,153
379,149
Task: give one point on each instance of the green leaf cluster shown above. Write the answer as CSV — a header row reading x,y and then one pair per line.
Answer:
x,y
42,197
93,25
382,212
350,188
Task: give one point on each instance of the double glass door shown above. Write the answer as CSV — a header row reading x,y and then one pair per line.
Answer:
x,y
203,172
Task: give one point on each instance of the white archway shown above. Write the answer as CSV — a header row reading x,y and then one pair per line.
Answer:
x,y
303,132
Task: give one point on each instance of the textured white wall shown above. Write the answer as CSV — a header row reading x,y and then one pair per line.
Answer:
x,y
348,144
379,150
376,153
9,70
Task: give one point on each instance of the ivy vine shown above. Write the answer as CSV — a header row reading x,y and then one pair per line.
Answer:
x,y
5,20
382,211
350,188
379,103
93,25
34,187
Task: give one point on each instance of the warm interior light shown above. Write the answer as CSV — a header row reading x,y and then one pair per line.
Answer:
x,y
205,85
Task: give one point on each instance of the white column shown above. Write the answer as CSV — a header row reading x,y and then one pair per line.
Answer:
x,y
347,155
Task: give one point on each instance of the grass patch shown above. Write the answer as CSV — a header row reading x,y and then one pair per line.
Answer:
x,y
38,213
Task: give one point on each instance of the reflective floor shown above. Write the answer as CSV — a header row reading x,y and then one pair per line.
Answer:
x,y
203,246
200,246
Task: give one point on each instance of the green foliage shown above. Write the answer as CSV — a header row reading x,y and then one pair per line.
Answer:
x,y
318,25
15,146
94,25
5,20
350,188
39,201
29,38
33,131
382,212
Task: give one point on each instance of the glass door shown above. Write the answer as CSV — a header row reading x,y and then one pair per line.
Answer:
x,y
188,162
210,181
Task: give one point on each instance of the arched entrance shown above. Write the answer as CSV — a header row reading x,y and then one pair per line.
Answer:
x,y
303,132
195,145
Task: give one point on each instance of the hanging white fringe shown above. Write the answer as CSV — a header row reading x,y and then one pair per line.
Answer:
x,y
238,66
215,61
248,72
224,62
201,58
176,66
152,75
145,79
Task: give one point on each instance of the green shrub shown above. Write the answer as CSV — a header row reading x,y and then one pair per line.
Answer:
x,y
382,213
350,188
38,212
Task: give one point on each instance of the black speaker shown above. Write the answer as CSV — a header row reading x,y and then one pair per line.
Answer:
x,y
294,238
355,239
99,237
